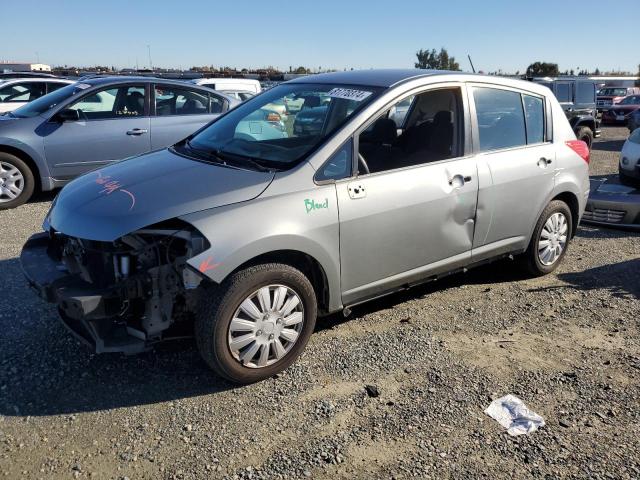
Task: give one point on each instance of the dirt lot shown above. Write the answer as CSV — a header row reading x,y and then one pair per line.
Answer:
x,y
567,344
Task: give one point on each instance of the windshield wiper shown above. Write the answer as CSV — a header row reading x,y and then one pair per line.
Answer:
x,y
246,159
224,159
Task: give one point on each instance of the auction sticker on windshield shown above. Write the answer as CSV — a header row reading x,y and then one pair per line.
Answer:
x,y
349,94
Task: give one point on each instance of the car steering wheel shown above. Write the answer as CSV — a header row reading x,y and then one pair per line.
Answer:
x,y
363,162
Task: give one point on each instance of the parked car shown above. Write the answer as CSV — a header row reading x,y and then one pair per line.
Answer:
x,y
633,121
89,124
577,96
241,84
253,239
16,92
609,96
612,204
261,125
241,95
621,111
12,75
629,165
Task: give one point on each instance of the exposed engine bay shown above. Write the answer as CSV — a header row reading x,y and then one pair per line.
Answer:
x,y
125,295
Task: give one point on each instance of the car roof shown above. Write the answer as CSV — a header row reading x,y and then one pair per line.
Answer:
x,y
392,77
373,78
6,81
98,81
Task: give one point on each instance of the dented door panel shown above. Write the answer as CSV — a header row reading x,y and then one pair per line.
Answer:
x,y
410,220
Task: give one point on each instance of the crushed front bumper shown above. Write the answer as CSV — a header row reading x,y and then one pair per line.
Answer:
x,y
612,204
90,313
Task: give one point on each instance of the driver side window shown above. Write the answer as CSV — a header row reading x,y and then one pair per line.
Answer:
x,y
416,130
122,102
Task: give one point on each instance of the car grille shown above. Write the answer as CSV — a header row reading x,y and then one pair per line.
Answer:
x,y
604,215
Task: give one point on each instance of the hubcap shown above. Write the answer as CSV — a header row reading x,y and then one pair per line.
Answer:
x,y
553,239
265,326
11,182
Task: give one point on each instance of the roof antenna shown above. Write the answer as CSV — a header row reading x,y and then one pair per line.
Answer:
x,y
472,67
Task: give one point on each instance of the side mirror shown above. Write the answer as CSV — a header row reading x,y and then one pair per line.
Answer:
x,y
67,115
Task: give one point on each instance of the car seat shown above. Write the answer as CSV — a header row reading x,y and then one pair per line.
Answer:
x,y
135,103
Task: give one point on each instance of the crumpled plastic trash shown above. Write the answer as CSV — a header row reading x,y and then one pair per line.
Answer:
x,y
511,412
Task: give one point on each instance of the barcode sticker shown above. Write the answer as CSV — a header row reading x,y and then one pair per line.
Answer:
x,y
349,94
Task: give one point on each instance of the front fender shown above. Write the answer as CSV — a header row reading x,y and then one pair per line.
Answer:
x,y
583,121
34,151
241,232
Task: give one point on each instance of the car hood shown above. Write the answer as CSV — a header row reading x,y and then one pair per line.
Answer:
x,y
624,108
110,202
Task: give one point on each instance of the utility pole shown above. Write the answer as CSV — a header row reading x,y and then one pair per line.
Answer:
x,y
38,57
149,52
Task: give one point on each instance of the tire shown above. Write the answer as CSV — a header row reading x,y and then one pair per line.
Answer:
x,y
26,183
532,257
586,135
218,304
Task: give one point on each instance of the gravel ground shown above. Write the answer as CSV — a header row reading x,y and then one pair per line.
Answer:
x,y
396,391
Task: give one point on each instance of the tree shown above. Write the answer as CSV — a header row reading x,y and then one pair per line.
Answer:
x,y
433,60
301,70
542,69
638,74
597,72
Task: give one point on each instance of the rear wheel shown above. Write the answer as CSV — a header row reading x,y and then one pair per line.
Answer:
x,y
586,135
16,181
550,239
256,323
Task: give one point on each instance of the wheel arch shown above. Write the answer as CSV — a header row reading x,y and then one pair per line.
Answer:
x,y
26,158
574,206
302,261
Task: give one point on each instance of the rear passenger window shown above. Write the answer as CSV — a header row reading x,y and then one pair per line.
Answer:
x,y
563,92
585,92
534,114
501,121
179,101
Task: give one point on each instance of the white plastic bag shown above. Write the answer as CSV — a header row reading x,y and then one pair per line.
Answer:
x,y
511,412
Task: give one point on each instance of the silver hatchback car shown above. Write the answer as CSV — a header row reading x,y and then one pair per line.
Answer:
x,y
402,176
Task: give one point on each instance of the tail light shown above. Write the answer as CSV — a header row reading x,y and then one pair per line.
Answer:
x,y
580,148
273,117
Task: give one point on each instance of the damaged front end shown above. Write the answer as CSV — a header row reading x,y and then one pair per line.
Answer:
x,y
120,296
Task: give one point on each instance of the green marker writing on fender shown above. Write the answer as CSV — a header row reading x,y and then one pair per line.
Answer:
x,y
313,205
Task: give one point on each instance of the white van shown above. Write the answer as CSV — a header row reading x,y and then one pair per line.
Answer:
x,y
237,84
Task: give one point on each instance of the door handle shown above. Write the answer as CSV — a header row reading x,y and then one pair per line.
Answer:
x,y
137,131
458,180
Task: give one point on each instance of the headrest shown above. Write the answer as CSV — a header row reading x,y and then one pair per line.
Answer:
x,y
311,102
384,131
442,117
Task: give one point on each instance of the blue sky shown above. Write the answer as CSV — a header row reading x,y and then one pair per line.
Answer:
x,y
505,35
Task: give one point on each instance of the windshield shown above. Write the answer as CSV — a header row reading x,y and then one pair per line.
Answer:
x,y
632,100
279,127
47,102
613,92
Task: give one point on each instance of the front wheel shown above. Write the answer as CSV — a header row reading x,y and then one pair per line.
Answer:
x,y
550,239
256,323
16,181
